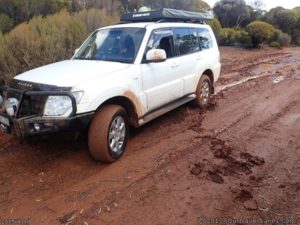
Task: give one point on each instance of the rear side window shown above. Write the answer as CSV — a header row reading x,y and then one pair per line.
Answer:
x,y
187,40
184,42
205,39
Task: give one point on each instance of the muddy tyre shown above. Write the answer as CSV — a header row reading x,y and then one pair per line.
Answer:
x,y
203,92
108,133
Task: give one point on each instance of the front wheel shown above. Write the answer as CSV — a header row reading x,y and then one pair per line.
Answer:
x,y
203,92
108,133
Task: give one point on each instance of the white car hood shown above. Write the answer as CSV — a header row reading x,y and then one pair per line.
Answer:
x,y
69,73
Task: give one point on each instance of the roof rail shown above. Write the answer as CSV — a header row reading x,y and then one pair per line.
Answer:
x,y
166,15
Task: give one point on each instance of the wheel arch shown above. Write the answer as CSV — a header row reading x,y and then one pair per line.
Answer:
x,y
210,74
127,104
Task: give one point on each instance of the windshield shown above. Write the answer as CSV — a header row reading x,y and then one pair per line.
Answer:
x,y
116,45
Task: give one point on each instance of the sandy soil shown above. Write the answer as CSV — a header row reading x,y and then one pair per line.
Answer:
x,y
238,160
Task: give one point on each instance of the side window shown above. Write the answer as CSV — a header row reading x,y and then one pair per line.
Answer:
x,y
162,39
204,38
195,41
186,41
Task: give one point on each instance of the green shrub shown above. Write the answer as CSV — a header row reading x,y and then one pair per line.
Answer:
x,y
282,38
234,37
260,32
296,36
275,44
216,27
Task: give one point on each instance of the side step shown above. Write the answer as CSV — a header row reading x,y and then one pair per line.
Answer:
x,y
165,109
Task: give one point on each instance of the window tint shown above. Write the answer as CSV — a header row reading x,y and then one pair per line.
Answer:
x,y
204,38
186,41
162,39
195,45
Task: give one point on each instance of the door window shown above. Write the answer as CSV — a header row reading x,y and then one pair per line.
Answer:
x,y
187,41
161,39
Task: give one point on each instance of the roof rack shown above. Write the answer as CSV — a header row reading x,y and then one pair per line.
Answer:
x,y
166,15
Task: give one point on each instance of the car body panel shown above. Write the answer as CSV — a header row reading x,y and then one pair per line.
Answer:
x,y
147,86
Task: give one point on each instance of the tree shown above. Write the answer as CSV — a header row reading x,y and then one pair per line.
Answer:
x,y
272,15
6,23
15,9
232,13
21,10
296,31
216,27
191,5
198,6
256,5
287,20
260,32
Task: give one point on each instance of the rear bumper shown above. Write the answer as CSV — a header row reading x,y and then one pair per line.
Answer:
x,y
33,126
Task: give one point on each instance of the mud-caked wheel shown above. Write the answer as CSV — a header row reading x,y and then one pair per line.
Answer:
x,y
203,92
108,133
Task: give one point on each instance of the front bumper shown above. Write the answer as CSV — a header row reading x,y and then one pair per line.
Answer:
x,y
33,126
28,119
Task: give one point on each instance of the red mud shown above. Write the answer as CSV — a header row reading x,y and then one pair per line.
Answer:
x,y
237,160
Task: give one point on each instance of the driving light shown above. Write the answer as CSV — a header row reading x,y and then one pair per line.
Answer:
x,y
37,127
11,106
58,106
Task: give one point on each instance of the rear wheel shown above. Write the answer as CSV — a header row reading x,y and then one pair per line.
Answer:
x,y
108,133
203,92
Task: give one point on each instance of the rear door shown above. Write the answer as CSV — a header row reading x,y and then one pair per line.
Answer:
x,y
162,82
186,49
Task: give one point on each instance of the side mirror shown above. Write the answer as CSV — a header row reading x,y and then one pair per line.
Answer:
x,y
156,56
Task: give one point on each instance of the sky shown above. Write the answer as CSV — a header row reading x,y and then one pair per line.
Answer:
x,y
269,4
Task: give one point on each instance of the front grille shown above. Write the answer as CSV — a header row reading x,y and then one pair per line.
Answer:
x,y
13,93
32,105
27,105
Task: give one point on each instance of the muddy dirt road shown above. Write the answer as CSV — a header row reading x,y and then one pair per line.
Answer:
x,y
238,160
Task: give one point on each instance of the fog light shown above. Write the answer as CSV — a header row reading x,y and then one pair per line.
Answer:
x,y
10,110
37,127
11,106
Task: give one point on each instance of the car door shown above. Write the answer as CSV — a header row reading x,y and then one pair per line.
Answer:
x,y
186,49
162,82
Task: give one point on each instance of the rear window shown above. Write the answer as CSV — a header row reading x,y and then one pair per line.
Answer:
x,y
205,39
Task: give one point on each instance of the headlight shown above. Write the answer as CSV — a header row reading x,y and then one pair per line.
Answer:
x,y
61,105
58,106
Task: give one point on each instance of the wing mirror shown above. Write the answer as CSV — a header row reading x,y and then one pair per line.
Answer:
x,y
156,56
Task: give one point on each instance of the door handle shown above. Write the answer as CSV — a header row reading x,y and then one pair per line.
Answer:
x,y
174,65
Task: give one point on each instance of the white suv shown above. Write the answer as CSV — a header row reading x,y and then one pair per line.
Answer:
x,y
126,74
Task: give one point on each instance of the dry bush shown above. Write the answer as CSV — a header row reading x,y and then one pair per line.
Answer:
x,y
47,40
